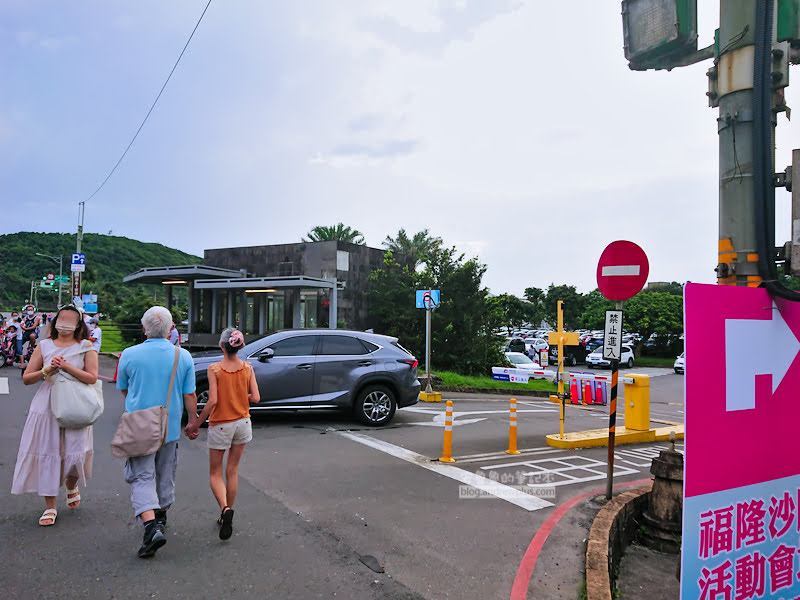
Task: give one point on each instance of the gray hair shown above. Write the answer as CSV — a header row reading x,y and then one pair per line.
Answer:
x,y
157,321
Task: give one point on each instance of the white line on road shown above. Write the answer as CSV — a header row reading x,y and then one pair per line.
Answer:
x,y
3,385
502,491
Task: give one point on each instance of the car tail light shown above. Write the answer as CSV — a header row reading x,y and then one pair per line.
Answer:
x,y
413,363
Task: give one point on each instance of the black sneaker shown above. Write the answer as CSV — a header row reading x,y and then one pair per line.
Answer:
x,y
161,519
154,538
226,529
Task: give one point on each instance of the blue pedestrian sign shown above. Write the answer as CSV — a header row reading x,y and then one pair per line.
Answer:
x,y
427,298
78,262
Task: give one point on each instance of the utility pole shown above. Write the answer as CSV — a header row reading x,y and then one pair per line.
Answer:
x,y
731,88
76,275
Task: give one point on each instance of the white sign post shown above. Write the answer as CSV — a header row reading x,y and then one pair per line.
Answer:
x,y
612,337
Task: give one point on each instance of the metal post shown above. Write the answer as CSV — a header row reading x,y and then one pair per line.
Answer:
x,y
612,420
560,365
738,247
60,275
428,389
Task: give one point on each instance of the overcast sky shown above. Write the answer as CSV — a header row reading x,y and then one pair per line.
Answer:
x,y
513,130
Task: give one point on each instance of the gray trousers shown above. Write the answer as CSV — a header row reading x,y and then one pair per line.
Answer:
x,y
152,478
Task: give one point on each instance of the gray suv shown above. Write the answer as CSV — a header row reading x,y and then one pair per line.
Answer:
x,y
367,374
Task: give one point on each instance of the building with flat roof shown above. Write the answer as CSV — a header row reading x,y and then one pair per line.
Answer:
x,y
261,289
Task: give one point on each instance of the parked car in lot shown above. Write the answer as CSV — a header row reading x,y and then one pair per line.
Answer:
x,y
520,361
572,355
366,374
595,359
679,363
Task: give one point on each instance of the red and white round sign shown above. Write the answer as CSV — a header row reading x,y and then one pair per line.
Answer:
x,y
622,270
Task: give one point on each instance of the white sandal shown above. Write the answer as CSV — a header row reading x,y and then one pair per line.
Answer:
x,y
48,515
75,498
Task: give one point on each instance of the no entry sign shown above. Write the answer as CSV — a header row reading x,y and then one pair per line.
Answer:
x,y
622,270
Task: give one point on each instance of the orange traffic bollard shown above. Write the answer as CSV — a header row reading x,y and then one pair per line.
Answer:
x,y
587,392
512,428
447,450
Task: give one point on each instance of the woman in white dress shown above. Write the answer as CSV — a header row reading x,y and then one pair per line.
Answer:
x,y
50,454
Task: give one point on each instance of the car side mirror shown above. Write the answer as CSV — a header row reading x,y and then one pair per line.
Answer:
x,y
266,354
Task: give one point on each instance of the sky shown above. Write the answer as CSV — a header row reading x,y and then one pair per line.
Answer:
x,y
513,130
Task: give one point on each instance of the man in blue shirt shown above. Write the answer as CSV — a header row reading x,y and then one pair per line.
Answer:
x,y
143,377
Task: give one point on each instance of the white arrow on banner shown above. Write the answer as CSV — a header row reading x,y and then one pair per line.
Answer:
x,y
756,347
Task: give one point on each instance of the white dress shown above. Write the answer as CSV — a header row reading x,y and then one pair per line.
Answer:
x,y
48,452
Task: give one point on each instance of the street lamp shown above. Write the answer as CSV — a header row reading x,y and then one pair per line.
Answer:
x,y
59,260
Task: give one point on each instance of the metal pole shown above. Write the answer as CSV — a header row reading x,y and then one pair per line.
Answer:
x,y
560,364
733,73
428,389
612,420
60,275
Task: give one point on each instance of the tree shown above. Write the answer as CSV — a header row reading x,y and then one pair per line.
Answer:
x,y
594,311
513,311
338,233
417,249
462,337
655,313
573,304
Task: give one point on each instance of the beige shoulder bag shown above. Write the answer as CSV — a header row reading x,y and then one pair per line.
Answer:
x,y
143,432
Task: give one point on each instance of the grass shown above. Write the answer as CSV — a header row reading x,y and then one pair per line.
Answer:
x,y
112,339
654,361
455,380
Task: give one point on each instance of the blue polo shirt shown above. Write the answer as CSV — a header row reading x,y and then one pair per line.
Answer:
x,y
144,371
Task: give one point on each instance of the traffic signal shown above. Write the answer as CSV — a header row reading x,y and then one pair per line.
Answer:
x,y
657,34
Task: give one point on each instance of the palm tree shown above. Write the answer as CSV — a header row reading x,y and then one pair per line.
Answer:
x,y
418,248
338,233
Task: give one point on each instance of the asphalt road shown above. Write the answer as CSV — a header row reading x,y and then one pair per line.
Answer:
x,y
317,492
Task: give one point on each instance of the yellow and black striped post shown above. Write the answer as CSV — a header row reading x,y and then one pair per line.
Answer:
x,y
447,450
612,426
512,428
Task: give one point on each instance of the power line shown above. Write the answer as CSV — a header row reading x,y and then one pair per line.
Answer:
x,y
154,103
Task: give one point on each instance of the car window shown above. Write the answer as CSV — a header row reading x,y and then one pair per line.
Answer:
x,y
341,344
626,349
300,345
369,346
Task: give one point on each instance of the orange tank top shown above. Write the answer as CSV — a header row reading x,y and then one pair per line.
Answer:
x,y
232,394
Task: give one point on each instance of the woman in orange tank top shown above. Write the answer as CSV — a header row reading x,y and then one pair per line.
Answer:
x,y
232,388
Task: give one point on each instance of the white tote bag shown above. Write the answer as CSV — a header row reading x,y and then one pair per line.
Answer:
x,y
75,404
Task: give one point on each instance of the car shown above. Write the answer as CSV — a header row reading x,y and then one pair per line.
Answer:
x,y
595,359
519,361
679,365
366,374
573,355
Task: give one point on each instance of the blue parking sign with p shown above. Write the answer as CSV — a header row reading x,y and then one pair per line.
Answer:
x,y
427,298
78,259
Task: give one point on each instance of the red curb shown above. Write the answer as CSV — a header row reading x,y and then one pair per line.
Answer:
x,y
519,590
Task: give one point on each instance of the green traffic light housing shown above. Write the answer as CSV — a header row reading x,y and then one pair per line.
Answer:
x,y
659,34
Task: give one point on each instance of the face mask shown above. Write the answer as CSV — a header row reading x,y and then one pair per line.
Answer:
x,y
65,329
30,313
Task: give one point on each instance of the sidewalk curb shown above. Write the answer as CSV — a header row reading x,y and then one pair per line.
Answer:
x,y
608,537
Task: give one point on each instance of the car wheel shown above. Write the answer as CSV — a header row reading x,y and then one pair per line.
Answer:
x,y
202,398
375,405
572,360
630,363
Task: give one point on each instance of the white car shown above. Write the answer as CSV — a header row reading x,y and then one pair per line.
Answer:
x,y
595,359
519,361
679,363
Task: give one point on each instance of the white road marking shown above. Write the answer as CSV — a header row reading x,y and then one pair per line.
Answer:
x,y
439,415
543,475
3,385
502,491
502,454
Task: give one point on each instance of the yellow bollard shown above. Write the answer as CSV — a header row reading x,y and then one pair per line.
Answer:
x,y
512,428
447,450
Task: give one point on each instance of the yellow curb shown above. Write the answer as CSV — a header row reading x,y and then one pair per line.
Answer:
x,y
599,437
432,397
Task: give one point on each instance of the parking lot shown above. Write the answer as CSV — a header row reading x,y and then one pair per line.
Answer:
x,y
460,530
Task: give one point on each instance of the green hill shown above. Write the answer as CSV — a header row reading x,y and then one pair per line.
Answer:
x,y
108,259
